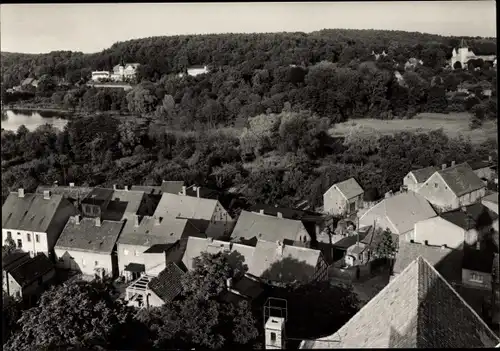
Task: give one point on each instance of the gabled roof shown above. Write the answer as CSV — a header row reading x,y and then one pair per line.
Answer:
x,y
418,309
14,259
349,188
149,232
447,261
475,216
132,198
252,225
422,174
31,212
168,284
403,211
30,270
479,164
185,206
87,236
172,187
461,179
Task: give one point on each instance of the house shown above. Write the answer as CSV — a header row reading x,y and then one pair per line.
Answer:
x,y
172,187
252,227
154,291
398,213
124,71
268,261
74,194
469,224
35,221
464,55
447,261
24,276
416,178
343,198
194,71
483,168
140,234
491,201
88,245
418,309
453,187
312,221
180,206
98,76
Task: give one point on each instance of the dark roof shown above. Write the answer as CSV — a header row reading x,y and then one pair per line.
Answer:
x,y
252,288
87,236
350,240
422,174
70,192
135,267
31,212
98,196
475,216
155,190
200,224
289,213
478,164
478,260
30,270
172,187
159,248
168,284
418,309
205,193
461,179
14,259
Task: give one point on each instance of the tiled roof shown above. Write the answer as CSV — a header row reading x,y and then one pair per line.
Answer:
x,y
402,210
98,196
491,198
14,259
479,164
475,216
149,232
418,309
254,225
264,260
185,207
31,212
461,179
171,187
87,236
167,285
350,188
421,175
31,269
71,192
131,197
447,261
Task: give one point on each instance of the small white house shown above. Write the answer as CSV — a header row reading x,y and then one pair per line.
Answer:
x,y
343,198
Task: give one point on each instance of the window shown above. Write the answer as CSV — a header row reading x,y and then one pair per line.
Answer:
x,y
19,244
273,337
474,277
18,233
9,235
28,237
37,238
136,253
435,185
125,252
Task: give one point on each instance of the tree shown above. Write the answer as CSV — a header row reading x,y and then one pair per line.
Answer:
x,y
75,314
386,248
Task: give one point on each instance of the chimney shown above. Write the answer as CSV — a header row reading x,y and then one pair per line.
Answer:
x,y
20,192
98,221
452,163
261,211
279,247
126,187
71,185
157,220
229,283
279,215
136,220
443,246
210,239
114,186
197,191
77,219
183,190
46,194
443,166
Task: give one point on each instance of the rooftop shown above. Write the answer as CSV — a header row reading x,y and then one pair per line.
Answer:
x,y
491,198
461,179
185,206
349,188
30,270
171,187
418,309
98,196
87,236
422,174
474,216
168,284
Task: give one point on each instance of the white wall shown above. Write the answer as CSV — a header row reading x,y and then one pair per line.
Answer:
x,y
129,254
438,231
28,246
83,261
333,202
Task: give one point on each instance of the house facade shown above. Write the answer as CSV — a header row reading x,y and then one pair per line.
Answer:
x,y
453,187
416,178
343,198
100,75
35,221
88,246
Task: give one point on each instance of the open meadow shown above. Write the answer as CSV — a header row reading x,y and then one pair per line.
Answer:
x,y
453,125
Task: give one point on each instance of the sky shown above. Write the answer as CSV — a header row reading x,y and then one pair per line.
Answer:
x,y
40,28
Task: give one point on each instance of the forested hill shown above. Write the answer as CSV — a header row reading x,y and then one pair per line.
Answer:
x,y
163,55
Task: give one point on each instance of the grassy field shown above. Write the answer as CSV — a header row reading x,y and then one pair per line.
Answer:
x,y
453,124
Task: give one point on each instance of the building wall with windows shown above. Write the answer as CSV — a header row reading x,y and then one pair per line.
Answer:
x,y
27,241
130,254
476,279
84,261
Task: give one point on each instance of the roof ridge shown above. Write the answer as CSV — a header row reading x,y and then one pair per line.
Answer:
x,y
435,271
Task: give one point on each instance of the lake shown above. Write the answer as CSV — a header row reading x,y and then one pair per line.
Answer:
x,y
13,119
